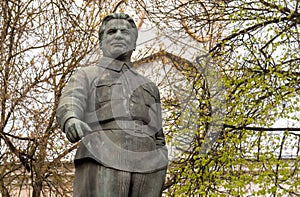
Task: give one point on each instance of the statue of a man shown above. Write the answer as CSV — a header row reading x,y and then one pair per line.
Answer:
x,y
115,113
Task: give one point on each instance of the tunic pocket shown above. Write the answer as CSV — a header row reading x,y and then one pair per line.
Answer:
x,y
149,95
107,90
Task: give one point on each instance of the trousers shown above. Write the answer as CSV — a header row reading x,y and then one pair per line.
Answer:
x,y
95,180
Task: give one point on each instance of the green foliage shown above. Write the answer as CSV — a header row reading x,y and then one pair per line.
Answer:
x,y
257,57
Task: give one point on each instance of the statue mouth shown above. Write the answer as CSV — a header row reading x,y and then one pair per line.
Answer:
x,y
118,44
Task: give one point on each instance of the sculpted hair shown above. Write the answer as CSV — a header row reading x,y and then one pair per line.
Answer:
x,y
116,16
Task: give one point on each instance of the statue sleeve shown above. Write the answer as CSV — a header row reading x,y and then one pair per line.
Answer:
x,y
73,101
159,137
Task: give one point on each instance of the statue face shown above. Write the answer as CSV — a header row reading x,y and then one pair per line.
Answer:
x,y
119,39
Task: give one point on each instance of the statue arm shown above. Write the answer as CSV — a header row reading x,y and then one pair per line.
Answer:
x,y
73,101
159,137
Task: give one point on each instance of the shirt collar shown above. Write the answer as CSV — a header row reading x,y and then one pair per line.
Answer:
x,y
115,65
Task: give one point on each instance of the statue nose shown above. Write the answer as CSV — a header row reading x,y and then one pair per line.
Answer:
x,y
118,34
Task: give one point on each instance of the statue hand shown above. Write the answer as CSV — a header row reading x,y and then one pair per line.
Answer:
x,y
76,129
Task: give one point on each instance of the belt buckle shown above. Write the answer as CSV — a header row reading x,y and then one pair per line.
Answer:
x,y
138,126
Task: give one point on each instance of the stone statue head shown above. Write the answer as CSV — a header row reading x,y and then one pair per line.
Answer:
x,y
117,35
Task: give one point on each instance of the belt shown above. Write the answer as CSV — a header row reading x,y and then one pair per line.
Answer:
x,y
138,126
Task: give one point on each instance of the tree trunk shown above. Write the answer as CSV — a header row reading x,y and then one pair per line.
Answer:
x,y
37,189
4,191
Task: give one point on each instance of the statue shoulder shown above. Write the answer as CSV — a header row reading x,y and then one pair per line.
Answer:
x,y
90,71
147,80
150,86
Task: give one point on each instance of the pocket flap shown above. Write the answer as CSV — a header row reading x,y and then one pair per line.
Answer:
x,y
108,83
149,89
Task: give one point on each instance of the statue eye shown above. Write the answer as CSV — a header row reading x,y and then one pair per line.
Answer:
x,y
125,31
111,31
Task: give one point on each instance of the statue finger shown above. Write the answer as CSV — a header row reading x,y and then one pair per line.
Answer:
x,y
72,135
79,131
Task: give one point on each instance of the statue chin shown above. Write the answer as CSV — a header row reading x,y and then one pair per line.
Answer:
x,y
121,56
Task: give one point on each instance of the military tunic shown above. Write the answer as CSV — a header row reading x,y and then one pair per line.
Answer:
x,y
123,109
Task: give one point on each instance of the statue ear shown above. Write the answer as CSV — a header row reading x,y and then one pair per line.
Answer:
x,y
134,47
